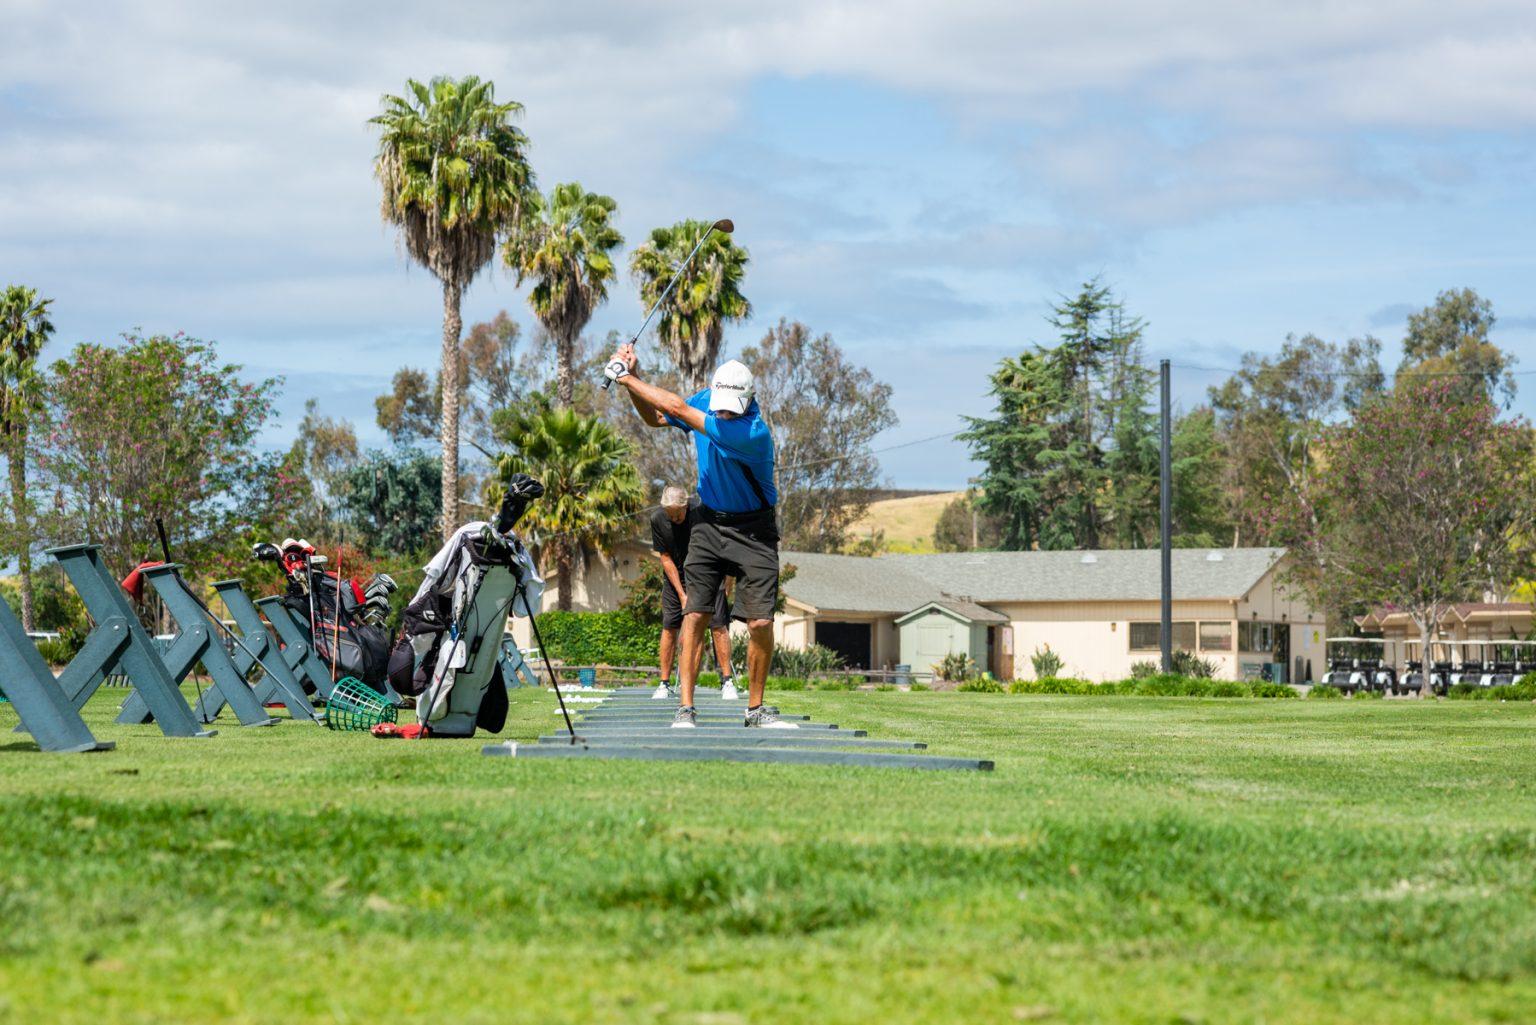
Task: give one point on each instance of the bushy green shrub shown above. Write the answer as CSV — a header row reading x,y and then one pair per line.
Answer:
x,y
1052,685
919,686
1369,695
981,685
1187,663
1324,692
1170,685
1159,685
56,652
837,682
55,606
1146,667
1524,690
1046,662
885,686
786,683
801,662
615,638
955,666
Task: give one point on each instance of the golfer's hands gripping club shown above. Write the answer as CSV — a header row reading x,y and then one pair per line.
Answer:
x,y
622,365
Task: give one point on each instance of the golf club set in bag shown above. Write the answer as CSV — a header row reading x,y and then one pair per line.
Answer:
x,y
346,620
448,654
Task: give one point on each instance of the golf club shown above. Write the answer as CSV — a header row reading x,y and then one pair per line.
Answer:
x,y
725,226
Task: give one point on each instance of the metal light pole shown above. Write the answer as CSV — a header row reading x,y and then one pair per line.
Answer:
x,y
1165,520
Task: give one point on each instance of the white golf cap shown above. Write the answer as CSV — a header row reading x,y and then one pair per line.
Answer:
x,y
731,387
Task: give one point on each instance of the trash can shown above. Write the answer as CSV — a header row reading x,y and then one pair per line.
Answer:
x,y
588,677
903,673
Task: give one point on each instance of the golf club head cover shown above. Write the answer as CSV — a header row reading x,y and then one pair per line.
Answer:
x,y
265,551
521,490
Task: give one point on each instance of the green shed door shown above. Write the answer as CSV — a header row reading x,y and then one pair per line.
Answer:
x,y
935,639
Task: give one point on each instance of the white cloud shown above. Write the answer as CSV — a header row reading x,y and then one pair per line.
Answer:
x,y
206,165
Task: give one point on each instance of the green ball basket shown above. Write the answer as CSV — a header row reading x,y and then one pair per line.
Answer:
x,y
353,705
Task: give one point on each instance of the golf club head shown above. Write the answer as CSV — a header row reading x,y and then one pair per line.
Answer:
x,y
521,490
725,225
265,551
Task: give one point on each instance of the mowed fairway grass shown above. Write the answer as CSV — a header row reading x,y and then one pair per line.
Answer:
x,y
1131,859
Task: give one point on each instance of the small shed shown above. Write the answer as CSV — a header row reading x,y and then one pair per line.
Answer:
x,y
945,626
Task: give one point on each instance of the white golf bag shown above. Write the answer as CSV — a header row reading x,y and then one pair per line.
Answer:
x,y
450,647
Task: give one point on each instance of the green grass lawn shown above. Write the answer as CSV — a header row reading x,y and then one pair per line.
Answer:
x,y
1131,859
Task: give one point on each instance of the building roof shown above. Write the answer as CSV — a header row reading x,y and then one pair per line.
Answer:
x,y
1464,611
966,610
900,583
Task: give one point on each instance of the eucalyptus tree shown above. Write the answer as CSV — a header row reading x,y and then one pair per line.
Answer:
x,y
24,330
456,179
691,323
565,247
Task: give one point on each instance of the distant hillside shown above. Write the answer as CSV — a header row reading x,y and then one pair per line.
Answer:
x,y
908,520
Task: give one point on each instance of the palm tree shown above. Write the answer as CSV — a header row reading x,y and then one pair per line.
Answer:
x,y
592,491
692,322
566,248
24,330
456,177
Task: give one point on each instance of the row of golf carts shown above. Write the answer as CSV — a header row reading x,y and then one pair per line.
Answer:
x,y
1364,663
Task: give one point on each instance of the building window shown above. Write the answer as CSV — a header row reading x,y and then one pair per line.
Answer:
x,y
1216,636
1144,636
1258,638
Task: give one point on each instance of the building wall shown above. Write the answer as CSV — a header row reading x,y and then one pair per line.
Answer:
x,y
795,627
1093,638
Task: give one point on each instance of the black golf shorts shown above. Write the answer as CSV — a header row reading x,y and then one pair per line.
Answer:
x,y
672,607
744,547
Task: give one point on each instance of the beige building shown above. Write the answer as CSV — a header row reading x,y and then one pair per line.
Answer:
x,y
1098,610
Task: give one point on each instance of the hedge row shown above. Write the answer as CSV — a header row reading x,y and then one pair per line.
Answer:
x,y
586,638
1160,686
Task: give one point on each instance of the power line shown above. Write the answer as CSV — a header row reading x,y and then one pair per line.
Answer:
x,y
1283,372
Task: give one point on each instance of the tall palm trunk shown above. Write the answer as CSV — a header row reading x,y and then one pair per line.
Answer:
x,y
24,535
565,569
565,377
453,323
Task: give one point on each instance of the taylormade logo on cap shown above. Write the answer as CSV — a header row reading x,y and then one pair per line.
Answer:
x,y
731,388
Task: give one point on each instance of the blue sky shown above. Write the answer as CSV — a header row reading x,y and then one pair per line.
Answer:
x,y
919,180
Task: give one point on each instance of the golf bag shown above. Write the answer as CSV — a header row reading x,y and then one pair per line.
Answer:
x,y
344,619
450,642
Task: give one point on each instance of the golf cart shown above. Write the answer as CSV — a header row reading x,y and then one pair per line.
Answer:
x,y
1511,661
1352,663
1412,681
1470,669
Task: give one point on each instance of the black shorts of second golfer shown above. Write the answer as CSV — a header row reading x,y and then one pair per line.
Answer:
x,y
716,551
672,608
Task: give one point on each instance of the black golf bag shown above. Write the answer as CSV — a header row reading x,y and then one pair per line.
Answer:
x,y
449,651
360,649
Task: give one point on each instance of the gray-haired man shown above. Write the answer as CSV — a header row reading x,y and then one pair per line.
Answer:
x,y
671,528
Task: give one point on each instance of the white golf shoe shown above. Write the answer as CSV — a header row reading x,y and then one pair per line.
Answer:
x,y
728,691
661,693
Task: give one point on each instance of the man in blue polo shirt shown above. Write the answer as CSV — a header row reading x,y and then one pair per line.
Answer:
x,y
737,534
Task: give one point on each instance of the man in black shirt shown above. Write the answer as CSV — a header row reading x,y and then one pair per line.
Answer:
x,y
671,526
